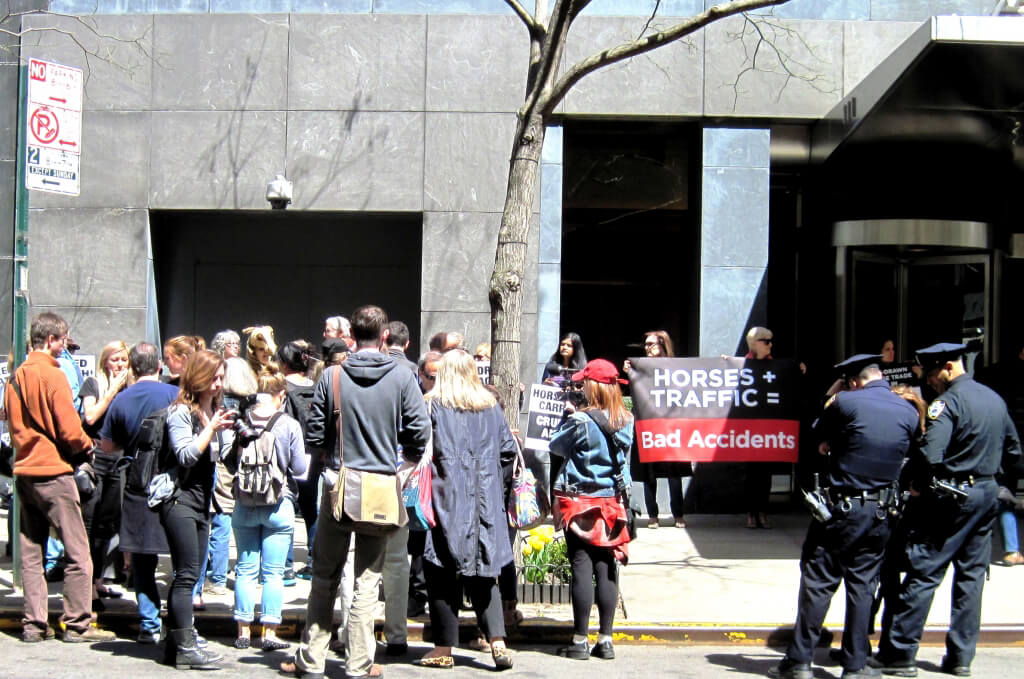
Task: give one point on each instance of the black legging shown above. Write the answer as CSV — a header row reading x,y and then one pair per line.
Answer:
x,y
188,535
594,570
101,513
507,579
446,597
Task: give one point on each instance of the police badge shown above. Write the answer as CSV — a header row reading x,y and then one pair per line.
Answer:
x,y
935,409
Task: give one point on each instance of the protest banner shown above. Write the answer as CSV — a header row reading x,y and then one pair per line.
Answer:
x,y
899,373
715,409
545,413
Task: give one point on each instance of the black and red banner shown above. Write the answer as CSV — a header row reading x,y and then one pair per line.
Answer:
x,y
715,409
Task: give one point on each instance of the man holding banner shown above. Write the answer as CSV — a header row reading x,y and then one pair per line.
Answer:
x,y
866,433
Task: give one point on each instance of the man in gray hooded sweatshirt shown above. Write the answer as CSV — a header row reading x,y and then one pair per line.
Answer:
x,y
381,409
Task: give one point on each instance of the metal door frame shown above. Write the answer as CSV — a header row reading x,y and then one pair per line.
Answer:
x,y
903,262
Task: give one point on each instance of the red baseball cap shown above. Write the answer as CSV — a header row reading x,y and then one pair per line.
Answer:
x,y
599,370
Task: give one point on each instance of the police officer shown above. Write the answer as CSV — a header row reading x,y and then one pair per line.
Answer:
x,y
968,432
866,433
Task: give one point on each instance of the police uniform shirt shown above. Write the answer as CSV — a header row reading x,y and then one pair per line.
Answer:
x,y
969,430
869,431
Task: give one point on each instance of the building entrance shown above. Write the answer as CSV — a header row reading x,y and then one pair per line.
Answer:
x,y
916,300
916,283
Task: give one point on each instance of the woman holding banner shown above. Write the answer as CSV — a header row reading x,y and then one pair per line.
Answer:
x,y
658,344
757,479
591,497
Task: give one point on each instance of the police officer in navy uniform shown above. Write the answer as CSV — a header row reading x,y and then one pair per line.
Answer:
x,y
866,433
968,434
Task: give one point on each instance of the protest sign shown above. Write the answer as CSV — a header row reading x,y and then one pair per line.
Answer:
x,y
545,413
899,373
483,370
715,410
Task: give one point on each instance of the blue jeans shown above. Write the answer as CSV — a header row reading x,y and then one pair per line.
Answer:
x,y
261,534
146,593
54,550
1008,522
217,555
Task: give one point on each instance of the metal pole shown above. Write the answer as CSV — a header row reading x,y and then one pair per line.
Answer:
x,y
19,337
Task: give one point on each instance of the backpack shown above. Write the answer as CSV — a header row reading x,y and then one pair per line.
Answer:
x,y
298,404
259,481
150,453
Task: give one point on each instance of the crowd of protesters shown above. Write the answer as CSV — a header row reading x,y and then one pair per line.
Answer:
x,y
287,425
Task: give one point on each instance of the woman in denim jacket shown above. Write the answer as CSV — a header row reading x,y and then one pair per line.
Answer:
x,y
590,503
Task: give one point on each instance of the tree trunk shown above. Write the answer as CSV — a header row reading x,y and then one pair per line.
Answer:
x,y
506,291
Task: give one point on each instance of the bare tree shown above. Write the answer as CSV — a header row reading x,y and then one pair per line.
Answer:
x,y
83,32
546,87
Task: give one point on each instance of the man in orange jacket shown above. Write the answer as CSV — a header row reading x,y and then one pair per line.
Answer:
x,y
46,432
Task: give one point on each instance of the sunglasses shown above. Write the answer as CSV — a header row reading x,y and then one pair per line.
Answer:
x,y
767,340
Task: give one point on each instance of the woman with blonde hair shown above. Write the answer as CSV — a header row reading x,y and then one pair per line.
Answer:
x,y
591,494
101,511
469,544
199,430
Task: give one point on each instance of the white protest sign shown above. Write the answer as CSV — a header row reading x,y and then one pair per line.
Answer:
x,y
545,414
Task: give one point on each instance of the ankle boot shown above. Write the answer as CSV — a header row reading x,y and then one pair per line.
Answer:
x,y
188,654
170,648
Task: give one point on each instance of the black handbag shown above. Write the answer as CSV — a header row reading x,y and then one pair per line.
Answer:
x,y
622,490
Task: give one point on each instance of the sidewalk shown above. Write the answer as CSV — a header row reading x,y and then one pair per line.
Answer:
x,y
712,582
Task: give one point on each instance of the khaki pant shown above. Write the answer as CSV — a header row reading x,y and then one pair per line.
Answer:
x,y
53,501
331,548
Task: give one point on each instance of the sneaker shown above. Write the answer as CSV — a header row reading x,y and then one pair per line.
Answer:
x,y
289,578
304,573
148,637
652,522
896,669
89,635
580,651
680,522
34,635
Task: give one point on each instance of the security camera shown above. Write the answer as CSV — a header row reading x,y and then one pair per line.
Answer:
x,y
279,193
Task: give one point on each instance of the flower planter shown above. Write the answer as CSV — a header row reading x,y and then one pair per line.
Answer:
x,y
545,593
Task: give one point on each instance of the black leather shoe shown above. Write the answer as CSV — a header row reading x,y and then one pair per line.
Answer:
x,y
896,669
580,651
790,669
603,650
950,667
396,650
866,672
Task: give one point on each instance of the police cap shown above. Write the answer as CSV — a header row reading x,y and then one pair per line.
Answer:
x,y
937,354
852,366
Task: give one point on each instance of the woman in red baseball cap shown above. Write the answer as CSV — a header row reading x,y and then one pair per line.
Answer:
x,y
591,500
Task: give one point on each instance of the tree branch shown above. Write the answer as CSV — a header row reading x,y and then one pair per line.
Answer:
x,y
535,28
650,42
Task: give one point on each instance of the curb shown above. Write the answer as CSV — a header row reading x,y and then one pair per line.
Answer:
x,y
547,631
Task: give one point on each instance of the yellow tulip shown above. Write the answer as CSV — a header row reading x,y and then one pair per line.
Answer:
x,y
527,549
535,542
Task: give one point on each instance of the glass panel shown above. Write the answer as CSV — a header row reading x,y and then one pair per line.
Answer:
x,y
874,304
946,303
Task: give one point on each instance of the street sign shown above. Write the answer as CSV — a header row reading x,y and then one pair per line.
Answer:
x,y
53,146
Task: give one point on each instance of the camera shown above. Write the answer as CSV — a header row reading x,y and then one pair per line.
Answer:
x,y
572,392
620,484
244,432
279,193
